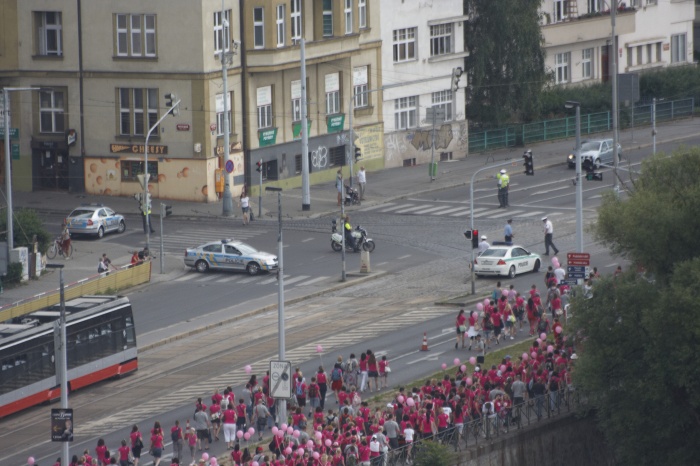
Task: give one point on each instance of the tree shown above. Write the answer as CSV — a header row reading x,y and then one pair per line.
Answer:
x,y
434,454
505,66
26,223
639,334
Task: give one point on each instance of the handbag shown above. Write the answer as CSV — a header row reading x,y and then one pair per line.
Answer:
x,y
462,328
387,369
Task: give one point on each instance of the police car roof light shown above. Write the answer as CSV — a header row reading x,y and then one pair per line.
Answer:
x,y
226,240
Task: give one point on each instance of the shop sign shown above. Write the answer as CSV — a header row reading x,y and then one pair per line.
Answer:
x,y
296,129
267,137
335,123
138,149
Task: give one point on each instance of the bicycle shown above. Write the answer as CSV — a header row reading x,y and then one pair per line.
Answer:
x,y
57,248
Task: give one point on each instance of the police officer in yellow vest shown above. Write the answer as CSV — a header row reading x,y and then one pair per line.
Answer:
x,y
503,183
147,219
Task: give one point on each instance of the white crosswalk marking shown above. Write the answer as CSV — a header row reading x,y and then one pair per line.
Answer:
x,y
295,279
395,207
505,214
531,214
423,211
312,281
378,206
445,212
403,211
180,240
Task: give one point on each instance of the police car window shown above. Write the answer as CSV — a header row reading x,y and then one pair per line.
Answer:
x,y
519,252
81,213
212,248
228,249
494,253
110,212
246,249
102,213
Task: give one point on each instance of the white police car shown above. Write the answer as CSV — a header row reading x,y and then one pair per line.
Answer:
x,y
95,219
228,254
506,260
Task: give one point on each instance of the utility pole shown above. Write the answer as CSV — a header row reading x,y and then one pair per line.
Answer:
x,y
579,179
615,104
225,26
62,354
653,124
350,146
305,192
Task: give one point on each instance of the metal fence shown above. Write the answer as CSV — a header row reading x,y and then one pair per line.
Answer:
x,y
591,123
489,427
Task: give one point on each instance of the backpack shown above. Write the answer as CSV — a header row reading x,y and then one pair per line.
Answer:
x,y
313,391
175,435
542,325
336,374
300,390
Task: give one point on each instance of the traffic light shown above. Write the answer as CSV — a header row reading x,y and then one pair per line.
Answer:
x,y
258,166
167,210
468,234
529,163
456,74
358,154
171,101
475,239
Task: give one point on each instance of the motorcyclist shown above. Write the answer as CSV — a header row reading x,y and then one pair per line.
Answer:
x,y
349,239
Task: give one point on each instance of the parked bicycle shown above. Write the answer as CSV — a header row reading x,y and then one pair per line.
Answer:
x,y
57,248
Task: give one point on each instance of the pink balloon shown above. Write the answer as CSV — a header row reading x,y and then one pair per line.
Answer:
x,y
254,463
288,451
246,436
505,293
503,368
309,444
469,381
316,455
410,402
400,399
239,434
319,349
534,355
290,430
463,368
444,366
456,361
472,361
555,262
274,430
318,435
31,460
479,307
251,431
296,434
539,341
564,337
487,301
328,442
280,433
525,357
550,348
543,336
300,452
283,426
558,330
213,461
248,369
205,456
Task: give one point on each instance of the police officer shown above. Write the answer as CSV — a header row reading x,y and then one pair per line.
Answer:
x,y
503,182
146,214
508,231
483,244
347,228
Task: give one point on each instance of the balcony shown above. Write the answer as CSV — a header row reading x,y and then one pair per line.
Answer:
x,y
588,27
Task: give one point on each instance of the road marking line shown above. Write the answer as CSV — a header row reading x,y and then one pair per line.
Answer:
x,y
420,212
404,257
395,207
378,206
206,279
247,280
403,211
505,214
315,280
269,280
444,212
184,277
429,357
228,279
307,240
295,279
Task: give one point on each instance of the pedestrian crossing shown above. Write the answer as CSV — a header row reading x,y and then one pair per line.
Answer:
x,y
452,210
241,278
238,377
178,241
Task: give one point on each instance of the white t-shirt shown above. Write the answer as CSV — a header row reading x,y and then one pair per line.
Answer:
x,y
361,176
548,228
408,434
245,201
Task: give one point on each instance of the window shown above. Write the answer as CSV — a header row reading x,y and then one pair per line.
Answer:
x,y
640,58
360,81
406,112
138,111
594,6
561,10
131,168
296,101
332,93
443,100
49,33
587,63
362,13
136,35
404,45
561,67
441,39
348,16
220,114
327,18
52,112
258,28
264,97
222,32
296,20
678,48
281,25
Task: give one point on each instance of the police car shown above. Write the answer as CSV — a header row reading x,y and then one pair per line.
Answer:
x,y
229,254
508,260
95,219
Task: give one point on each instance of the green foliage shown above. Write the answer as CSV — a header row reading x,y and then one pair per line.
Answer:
x,y
671,83
26,224
14,273
505,66
434,454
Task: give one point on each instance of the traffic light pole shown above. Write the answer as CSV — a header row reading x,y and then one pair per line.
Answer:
x,y
579,183
471,213
162,214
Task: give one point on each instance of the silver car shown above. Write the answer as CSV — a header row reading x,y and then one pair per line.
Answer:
x,y
228,254
95,219
597,151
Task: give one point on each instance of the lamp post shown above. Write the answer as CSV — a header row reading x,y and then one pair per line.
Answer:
x,y
579,181
62,360
281,407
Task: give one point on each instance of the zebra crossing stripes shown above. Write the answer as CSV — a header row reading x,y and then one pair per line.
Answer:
x,y
239,278
449,209
181,240
374,207
442,211
395,207
403,211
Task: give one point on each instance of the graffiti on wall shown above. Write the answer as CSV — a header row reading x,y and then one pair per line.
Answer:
x,y
395,146
319,157
422,138
463,141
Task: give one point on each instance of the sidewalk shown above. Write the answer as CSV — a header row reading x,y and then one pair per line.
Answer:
x,y
383,186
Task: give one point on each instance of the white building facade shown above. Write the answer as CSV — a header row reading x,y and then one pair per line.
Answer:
x,y
420,48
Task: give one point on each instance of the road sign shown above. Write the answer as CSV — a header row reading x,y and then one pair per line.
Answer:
x,y
14,133
436,114
570,282
212,127
578,262
575,269
229,166
281,379
578,258
143,179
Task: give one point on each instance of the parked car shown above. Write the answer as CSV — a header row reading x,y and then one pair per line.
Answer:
x,y
597,151
228,254
507,261
95,219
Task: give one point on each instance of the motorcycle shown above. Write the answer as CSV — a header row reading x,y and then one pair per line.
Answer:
x,y
352,196
360,236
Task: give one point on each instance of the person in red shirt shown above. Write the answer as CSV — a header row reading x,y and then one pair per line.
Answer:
x,y
460,322
156,443
101,452
240,414
497,325
136,444
124,454
322,381
532,315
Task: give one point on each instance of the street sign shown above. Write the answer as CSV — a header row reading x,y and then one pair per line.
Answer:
x,y
281,379
229,166
14,150
575,269
438,113
143,179
578,257
569,281
61,425
578,262
14,133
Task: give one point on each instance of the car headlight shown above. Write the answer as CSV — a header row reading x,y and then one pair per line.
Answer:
x,y
571,156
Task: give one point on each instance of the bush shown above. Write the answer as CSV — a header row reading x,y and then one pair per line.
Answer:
x,y
14,273
26,224
434,454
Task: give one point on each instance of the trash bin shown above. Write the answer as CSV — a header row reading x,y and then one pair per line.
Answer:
x,y
432,169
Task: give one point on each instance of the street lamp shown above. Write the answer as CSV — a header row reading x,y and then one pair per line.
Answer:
x,y
62,360
281,407
579,182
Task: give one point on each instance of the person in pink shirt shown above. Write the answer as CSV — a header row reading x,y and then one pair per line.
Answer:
x,y
460,324
124,454
157,443
101,452
384,371
372,371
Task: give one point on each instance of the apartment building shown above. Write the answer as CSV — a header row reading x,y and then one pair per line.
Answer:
x,y
420,48
650,34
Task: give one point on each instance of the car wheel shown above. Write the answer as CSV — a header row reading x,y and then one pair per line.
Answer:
x,y
368,246
122,227
536,268
100,232
253,268
337,247
511,272
201,266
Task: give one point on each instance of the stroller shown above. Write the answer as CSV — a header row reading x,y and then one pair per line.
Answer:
x,y
352,196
